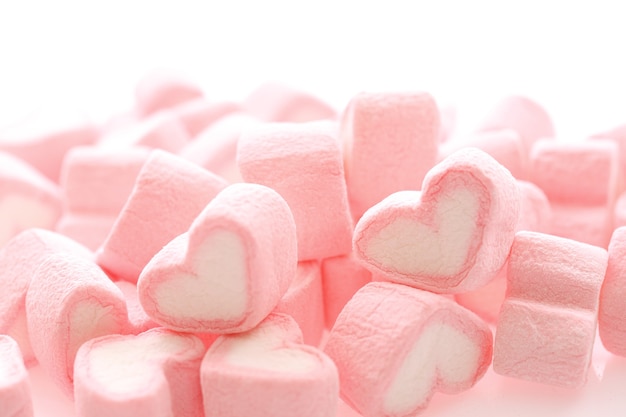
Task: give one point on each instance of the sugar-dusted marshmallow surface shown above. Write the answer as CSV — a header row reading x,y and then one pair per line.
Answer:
x,y
168,195
302,162
15,392
505,145
230,270
583,173
580,181
535,215
523,115
153,374
304,301
27,198
612,312
268,372
452,237
161,90
96,183
395,346
19,259
274,102
70,300
547,324
390,141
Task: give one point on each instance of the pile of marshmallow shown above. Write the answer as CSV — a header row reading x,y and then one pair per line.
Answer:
x,y
268,258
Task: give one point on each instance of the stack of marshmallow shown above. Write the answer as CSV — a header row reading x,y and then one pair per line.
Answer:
x,y
271,258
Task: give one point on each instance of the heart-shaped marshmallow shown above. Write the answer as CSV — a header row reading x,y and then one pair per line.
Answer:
x,y
70,300
152,374
395,346
452,237
15,395
19,259
169,193
230,270
547,323
268,372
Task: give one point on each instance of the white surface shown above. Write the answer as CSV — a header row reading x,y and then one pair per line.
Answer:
x,y
566,55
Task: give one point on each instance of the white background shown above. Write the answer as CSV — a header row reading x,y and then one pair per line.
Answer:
x,y
568,55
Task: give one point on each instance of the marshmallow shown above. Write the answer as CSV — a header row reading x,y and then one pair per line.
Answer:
x,y
303,163
215,149
583,173
268,372
96,183
580,181
523,115
19,259
395,346
452,237
168,195
69,301
230,270
44,141
273,102
342,277
197,115
305,303
390,142
161,131
504,145
612,312
160,90
152,374
535,215
27,198
547,324
15,393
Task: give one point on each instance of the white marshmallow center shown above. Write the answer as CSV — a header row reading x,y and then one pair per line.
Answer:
x,y
441,352
263,348
219,291
128,365
413,248
89,319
